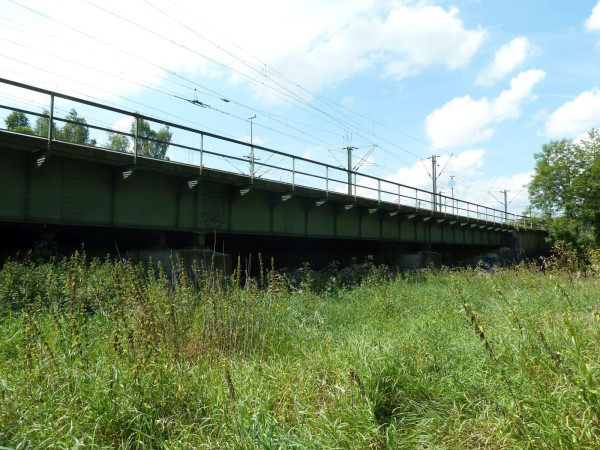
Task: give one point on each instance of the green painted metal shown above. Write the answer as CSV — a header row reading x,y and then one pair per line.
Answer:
x,y
52,182
311,173
84,186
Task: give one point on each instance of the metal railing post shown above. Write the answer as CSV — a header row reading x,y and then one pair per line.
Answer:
x,y
327,181
201,152
293,173
252,164
51,121
135,141
378,191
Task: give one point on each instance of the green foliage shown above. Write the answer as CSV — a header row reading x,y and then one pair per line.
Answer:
x,y
75,130
117,142
566,189
110,354
149,142
18,122
41,127
153,144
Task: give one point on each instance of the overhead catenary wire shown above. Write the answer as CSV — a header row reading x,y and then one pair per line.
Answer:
x,y
124,51
293,95
283,77
344,120
156,89
214,93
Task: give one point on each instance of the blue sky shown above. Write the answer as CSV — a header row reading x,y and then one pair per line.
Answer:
x,y
482,84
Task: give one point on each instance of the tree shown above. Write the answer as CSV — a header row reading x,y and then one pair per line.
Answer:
x,y
117,142
149,142
76,130
565,189
18,122
41,125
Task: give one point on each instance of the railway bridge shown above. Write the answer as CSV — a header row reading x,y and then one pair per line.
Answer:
x,y
210,190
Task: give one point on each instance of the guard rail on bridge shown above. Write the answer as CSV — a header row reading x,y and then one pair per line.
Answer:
x,y
203,150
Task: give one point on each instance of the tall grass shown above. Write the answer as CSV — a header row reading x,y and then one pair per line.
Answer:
x,y
111,354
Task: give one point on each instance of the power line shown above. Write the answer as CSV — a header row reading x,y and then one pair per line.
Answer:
x,y
269,73
293,95
162,91
150,63
279,74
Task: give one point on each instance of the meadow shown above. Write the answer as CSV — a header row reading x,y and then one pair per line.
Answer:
x,y
100,354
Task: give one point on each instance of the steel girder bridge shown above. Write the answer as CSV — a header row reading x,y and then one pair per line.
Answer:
x,y
210,183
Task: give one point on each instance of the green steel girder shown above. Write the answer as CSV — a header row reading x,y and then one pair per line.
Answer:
x,y
78,185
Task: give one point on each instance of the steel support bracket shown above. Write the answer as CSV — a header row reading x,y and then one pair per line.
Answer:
x,y
125,172
40,157
244,189
317,203
192,182
345,207
282,198
369,211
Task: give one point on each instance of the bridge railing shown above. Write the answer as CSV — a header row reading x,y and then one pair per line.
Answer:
x,y
136,134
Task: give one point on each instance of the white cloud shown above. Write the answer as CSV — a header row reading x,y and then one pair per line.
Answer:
x,y
470,183
417,37
316,43
507,58
593,22
465,121
577,116
489,191
336,40
468,163
123,124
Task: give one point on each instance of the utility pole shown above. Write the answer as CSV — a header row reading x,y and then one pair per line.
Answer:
x,y
505,203
350,148
434,178
451,184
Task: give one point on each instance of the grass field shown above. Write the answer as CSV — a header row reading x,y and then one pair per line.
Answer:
x,y
106,354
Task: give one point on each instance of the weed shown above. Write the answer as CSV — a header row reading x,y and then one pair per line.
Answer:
x,y
112,353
